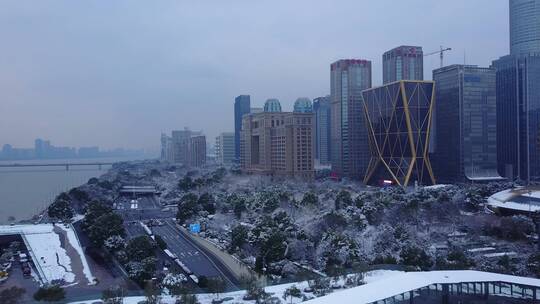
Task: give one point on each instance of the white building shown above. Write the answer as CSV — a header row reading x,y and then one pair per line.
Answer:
x,y
225,148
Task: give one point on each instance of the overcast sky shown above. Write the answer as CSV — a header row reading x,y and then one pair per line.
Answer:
x,y
118,73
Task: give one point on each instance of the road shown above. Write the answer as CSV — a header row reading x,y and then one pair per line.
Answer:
x,y
196,259
199,261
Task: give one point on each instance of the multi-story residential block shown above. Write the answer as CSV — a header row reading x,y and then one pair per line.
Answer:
x,y
403,63
224,148
278,144
349,138
399,122
321,110
466,124
242,106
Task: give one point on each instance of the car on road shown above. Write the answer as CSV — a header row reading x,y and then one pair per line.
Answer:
x,y
27,271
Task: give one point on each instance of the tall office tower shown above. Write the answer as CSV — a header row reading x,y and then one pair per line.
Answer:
x,y
180,140
272,105
167,148
303,105
518,116
278,144
466,124
197,151
242,106
399,123
349,139
518,95
321,109
403,63
164,140
225,148
524,27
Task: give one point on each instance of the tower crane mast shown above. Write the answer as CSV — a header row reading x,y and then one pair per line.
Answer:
x,y
441,54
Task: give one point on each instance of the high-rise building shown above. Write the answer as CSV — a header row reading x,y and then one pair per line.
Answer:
x,y
321,109
225,148
303,105
403,63
518,95
465,125
180,140
167,148
524,27
186,147
399,124
278,144
518,116
242,106
349,139
197,151
272,105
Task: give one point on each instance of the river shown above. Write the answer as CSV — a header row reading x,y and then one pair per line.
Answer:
x,y
26,191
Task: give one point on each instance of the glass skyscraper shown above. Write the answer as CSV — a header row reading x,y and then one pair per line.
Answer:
x,y
242,106
399,123
524,27
466,137
349,140
321,108
518,116
403,63
518,95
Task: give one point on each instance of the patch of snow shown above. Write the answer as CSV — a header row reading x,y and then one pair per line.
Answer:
x,y
405,282
49,256
483,249
437,187
51,260
514,205
503,196
74,241
499,254
276,290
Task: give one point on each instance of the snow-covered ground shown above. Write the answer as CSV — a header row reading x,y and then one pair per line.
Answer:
x,y
74,241
276,290
51,260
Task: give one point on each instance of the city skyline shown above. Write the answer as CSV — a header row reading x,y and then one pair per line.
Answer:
x,y
134,85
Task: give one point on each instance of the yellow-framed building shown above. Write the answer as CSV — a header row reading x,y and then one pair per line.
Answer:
x,y
399,118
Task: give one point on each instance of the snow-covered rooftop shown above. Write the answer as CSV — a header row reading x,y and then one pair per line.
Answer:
x,y
519,199
405,282
51,259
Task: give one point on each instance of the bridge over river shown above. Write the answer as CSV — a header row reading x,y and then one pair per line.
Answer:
x,y
65,165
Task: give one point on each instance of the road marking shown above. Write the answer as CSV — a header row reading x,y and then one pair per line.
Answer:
x,y
201,251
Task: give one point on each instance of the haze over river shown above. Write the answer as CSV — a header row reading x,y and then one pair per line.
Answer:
x,y
26,191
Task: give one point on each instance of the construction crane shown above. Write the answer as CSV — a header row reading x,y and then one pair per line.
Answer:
x,y
441,52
